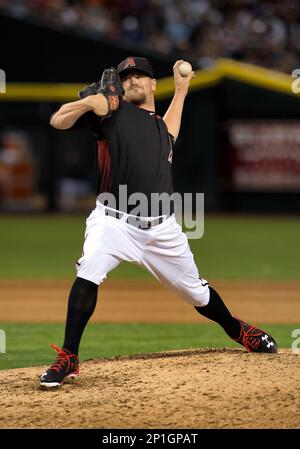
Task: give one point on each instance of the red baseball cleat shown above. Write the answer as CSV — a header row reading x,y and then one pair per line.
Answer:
x,y
255,339
66,365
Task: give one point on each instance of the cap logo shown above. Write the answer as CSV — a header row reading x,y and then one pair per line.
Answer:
x,y
130,62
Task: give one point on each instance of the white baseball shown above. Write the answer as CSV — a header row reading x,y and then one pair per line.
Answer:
x,y
185,68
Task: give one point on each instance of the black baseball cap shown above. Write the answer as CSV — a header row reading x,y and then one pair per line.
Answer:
x,y
135,63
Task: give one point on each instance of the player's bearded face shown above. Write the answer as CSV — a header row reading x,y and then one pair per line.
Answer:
x,y
138,88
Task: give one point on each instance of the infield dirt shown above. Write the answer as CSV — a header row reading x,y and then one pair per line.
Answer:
x,y
226,388
147,301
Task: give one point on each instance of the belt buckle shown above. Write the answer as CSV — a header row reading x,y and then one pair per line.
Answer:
x,y
151,223
143,227
144,224
134,221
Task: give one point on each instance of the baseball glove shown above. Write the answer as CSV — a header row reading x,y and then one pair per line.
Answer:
x,y
111,87
91,89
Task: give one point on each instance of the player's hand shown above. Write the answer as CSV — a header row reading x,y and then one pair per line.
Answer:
x,y
181,82
97,103
91,89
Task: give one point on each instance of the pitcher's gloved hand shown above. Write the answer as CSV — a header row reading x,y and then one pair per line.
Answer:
x,y
91,89
112,89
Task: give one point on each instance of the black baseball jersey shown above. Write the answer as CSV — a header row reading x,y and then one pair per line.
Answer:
x,y
134,148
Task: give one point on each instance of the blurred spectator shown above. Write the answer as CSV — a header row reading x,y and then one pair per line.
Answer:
x,y
263,32
17,170
73,188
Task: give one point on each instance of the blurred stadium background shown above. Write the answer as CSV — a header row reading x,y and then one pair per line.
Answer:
x,y
239,143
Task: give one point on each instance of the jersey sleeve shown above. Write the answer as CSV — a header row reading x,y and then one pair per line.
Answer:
x,y
89,120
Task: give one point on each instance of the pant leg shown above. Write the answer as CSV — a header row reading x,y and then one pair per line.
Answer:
x,y
107,243
169,258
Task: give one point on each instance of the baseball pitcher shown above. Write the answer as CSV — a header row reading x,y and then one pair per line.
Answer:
x,y
134,158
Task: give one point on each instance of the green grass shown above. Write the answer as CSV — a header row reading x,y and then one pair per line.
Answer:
x,y
249,247
233,247
28,344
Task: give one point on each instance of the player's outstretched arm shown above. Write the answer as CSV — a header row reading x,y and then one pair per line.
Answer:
x,y
69,113
102,98
172,117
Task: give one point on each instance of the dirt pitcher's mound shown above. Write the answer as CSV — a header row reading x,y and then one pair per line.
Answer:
x,y
201,388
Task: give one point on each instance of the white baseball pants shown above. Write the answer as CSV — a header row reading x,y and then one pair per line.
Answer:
x,y
163,250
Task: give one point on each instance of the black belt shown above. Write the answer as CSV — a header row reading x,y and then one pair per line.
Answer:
x,y
138,222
